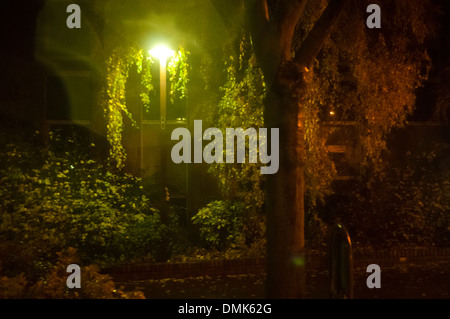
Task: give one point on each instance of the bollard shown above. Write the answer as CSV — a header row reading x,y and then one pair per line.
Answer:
x,y
340,264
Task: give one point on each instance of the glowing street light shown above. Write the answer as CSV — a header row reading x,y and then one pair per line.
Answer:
x,y
162,53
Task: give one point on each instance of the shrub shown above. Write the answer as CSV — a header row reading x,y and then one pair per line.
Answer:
x,y
57,199
224,224
410,206
94,285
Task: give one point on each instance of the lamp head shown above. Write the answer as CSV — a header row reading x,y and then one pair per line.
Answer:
x,y
161,52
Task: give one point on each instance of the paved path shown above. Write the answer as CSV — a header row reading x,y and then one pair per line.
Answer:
x,y
408,281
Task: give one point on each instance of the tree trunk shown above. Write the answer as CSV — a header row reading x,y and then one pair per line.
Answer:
x,y
272,40
285,198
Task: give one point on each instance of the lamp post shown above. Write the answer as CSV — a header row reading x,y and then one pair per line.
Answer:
x,y
162,53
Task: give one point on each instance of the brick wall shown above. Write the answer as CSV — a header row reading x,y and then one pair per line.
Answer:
x,y
362,258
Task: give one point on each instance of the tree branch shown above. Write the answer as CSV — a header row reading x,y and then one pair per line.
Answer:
x,y
264,36
288,21
316,38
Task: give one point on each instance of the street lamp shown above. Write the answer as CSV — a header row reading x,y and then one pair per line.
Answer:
x,y
162,53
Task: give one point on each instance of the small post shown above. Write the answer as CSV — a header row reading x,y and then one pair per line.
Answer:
x,y
340,264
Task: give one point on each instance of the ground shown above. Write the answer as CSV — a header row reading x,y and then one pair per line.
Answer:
x,y
406,281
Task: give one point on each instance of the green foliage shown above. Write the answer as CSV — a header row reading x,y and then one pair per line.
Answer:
x,y
67,200
178,72
144,64
225,224
219,223
241,184
113,99
241,106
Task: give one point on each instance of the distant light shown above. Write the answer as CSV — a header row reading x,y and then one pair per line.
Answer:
x,y
331,113
161,52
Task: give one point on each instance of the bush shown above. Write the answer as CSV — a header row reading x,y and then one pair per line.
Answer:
x,y
53,286
410,206
225,224
56,198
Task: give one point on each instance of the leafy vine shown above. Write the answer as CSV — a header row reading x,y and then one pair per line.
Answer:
x,y
178,71
118,66
242,105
